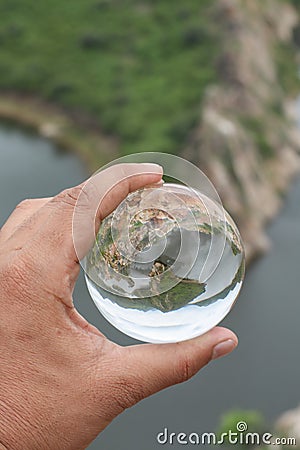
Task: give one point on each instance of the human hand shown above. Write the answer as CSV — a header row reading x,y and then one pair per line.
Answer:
x,y
61,381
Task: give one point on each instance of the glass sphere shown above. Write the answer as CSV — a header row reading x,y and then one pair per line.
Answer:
x,y
167,264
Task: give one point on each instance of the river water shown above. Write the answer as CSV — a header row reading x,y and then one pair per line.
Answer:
x,y
262,374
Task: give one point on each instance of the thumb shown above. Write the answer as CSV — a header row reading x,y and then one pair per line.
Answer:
x,y
66,226
151,368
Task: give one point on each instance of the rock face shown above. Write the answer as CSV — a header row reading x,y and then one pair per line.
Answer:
x,y
246,141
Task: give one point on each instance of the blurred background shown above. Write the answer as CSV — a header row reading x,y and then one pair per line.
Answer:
x,y
216,82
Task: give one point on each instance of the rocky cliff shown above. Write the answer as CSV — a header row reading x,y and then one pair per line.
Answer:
x,y
247,141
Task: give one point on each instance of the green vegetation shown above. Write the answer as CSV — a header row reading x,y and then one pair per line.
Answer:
x,y
135,69
285,57
258,131
139,67
242,429
179,295
230,421
176,297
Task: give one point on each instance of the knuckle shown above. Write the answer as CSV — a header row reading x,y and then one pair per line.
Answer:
x,y
25,204
15,276
68,196
185,368
61,289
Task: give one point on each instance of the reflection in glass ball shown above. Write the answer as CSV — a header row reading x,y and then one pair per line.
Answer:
x,y
167,264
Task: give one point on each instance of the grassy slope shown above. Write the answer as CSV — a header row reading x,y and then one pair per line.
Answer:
x,y
139,67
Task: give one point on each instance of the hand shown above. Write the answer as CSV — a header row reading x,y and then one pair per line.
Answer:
x,y
61,381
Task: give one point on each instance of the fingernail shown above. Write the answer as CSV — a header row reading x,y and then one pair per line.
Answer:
x,y
156,185
223,348
152,167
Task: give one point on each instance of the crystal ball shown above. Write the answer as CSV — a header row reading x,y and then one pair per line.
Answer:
x,y
167,265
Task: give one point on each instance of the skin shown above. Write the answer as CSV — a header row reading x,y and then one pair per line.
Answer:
x,y
61,381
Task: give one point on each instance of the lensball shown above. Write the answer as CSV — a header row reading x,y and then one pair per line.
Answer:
x,y
167,265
